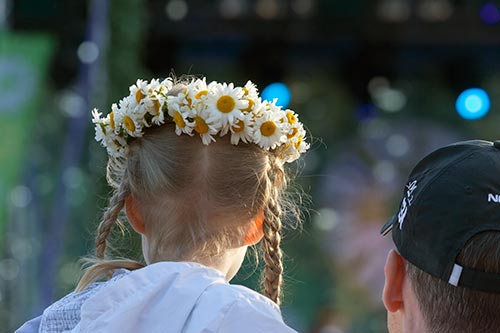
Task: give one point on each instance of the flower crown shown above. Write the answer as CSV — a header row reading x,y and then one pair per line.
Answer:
x,y
207,109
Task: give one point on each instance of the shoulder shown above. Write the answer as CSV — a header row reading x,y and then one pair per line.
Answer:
x,y
231,293
64,314
240,309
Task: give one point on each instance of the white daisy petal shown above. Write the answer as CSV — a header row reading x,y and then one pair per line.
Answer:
x,y
96,116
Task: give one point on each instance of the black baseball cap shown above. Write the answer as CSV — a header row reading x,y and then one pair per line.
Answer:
x,y
451,195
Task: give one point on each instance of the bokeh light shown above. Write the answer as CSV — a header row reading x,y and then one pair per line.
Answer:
x,y
326,219
389,99
394,11
473,104
70,103
267,9
397,145
231,9
434,10
366,112
20,196
72,177
176,9
384,171
277,90
490,13
9,269
88,52
302,7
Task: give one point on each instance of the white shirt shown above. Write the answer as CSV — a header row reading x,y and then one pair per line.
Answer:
x,y
162,297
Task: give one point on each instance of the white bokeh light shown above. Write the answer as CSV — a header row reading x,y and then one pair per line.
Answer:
x,y
176,9
88,52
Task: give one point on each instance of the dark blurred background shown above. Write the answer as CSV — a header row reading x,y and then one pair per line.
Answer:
x,y
378,84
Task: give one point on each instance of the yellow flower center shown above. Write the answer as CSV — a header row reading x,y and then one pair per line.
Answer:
x,y
226,104
190,101
200,93
294,133
201,126
292,119
245,91
156,106
112,120
129,123
299,141
239,126
268,128
251,103
178,120
139,96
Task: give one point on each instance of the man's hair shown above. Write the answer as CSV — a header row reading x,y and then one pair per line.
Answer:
x,y
446,308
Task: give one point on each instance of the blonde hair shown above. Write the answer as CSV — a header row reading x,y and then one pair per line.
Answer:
x,y
196,201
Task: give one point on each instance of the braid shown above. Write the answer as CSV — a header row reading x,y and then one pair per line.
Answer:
x,y
272,237
110,217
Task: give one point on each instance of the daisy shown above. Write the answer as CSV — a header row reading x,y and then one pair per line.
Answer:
x,y
153,105
205,127
154,87
259,107
288,153
271,105
100,133
181,103
126,102
250,90
291,117
225,100
139,90
196,94
296,144
295,131
132,124
268,131
156,109
102,126
300,144
166,85
116,118
182,124
200,89
251,95
116,146
127,118
242,130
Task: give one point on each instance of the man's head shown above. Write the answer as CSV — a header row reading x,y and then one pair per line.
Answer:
x,y
445,274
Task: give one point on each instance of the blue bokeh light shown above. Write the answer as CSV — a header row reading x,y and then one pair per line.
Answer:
x,y
490,13
473,104
277,90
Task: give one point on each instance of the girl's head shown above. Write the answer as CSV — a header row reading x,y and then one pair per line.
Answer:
x,y
196,201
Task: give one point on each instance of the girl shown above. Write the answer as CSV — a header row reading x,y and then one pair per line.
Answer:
x,y
197,204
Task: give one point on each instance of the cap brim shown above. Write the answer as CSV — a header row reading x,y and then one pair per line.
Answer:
x,y
388,226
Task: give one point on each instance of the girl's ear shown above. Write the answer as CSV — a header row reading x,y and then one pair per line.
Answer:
x,y
134,215
255,232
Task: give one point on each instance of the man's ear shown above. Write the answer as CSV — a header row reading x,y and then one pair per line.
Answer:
x,y
134,215
256,231
394,277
